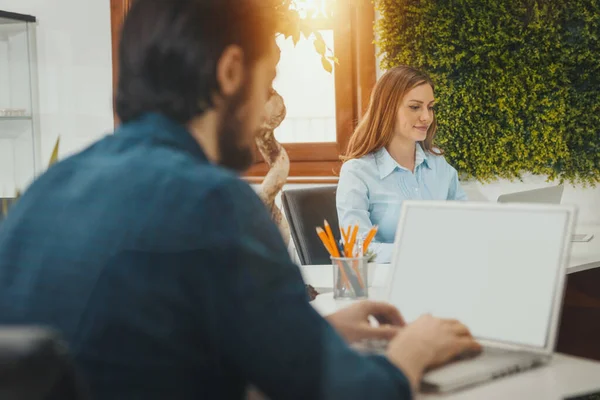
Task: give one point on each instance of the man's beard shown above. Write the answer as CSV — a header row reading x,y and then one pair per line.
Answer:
x,y
234,154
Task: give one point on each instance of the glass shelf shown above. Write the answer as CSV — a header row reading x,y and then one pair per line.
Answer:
x,y
19,118
19,113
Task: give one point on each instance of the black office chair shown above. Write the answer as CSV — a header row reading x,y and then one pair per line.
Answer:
x,y
35,365
305,210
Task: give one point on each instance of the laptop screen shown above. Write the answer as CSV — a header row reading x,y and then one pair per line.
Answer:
x,y
497,268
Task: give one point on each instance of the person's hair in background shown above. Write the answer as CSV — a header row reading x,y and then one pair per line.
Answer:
x,y
377,127
186,38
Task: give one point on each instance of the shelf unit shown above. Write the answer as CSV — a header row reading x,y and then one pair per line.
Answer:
x,y
19,134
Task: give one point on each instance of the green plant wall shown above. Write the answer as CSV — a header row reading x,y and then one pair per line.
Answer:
x,y
517,81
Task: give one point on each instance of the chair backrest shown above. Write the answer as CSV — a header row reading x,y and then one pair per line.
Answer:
x,y
305,210
35,365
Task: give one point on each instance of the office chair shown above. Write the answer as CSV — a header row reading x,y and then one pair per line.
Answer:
x,y
35,365
305,210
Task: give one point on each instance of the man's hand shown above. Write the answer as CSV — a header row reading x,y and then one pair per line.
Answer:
x,y
429,342
352,322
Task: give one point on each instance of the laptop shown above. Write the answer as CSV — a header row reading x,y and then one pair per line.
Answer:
x,y
498,268
548,195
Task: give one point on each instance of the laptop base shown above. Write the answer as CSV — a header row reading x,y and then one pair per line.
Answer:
x,y
468,370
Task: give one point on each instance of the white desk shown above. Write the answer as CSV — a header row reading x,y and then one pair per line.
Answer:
x,y
585,255
565,376
580,320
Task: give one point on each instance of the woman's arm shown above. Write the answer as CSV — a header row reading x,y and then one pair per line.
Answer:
x,y
455,191
352,200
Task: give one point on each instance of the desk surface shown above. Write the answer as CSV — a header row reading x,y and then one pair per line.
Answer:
x,y
565,376
585,255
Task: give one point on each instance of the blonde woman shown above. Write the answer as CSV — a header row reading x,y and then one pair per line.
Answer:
x,y
391,157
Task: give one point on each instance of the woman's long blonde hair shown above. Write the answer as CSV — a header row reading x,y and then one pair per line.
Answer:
x,y
376,129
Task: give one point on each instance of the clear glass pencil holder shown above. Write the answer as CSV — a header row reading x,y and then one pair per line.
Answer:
x,y
350,278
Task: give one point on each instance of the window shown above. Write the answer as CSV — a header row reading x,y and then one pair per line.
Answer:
x,y
322,108
308,91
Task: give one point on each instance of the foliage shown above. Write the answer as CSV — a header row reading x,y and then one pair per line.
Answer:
x,y
517,81
371,256
295,21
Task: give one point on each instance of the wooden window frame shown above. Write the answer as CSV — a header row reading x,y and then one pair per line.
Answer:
x,y
355,76
118,11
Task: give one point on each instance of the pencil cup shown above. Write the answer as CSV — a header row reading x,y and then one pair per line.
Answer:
x,y
350,278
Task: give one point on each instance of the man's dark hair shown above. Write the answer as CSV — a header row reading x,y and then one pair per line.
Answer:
x,y
169,52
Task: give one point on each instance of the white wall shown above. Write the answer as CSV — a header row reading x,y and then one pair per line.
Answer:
x,y
587,200
74,68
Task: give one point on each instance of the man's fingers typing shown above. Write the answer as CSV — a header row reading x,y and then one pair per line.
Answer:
x,y
385,313
381,332
459,329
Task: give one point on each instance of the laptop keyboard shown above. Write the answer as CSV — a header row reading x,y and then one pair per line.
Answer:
x,y
379,346
488,365
497,362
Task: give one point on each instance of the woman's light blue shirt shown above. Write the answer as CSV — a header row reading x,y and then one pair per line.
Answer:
x,y
371,190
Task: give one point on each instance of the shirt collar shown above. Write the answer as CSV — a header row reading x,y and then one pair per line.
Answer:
x,y
421,157
158,128
386,164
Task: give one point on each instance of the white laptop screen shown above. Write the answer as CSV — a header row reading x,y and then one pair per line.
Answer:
x,y
494,267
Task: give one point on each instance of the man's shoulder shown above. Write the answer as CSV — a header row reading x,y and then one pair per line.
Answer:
x,y
153,172
148,189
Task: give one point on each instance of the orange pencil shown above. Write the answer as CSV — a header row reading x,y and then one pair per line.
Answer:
x,y
325,240
344,236
348,246
370,236
357,272
349,252
336,252
327,234
352,254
